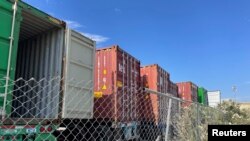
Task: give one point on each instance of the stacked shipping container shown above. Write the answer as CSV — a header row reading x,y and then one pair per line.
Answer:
x,y
117,81
187,91
202,96
153,107
214,98
154,78
173,89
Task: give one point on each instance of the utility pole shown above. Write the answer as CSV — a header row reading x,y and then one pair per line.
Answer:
x,y
234,89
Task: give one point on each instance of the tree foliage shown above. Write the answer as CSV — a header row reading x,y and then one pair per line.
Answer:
x,y
233,114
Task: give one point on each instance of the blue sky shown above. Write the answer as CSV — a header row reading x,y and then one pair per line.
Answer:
x,y
207,42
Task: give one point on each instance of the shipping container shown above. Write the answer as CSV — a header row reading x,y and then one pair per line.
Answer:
x,y
214,98
117,82
39,49
41,57
153,107
155,78
173,89
202,96
8,48
187,91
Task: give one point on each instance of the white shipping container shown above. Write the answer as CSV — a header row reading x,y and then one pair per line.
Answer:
x,y
214,98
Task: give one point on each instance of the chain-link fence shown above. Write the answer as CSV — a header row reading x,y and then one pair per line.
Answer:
x,y
183,120
54,109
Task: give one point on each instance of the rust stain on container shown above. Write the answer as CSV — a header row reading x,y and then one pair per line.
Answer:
x,y
154,78
117,82
187,91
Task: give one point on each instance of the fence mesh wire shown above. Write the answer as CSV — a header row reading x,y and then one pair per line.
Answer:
x,y
43,110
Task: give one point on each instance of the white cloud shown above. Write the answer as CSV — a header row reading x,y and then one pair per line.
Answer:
x,y
117,10
98,38
73,24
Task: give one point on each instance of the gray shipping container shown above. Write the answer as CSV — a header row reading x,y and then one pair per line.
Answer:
x,y
56,66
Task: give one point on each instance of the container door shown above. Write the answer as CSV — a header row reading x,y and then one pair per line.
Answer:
x,y
78,95
6,15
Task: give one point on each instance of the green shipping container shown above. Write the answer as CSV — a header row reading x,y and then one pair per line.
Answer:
x,y
202,96
8,48
35,46
17,24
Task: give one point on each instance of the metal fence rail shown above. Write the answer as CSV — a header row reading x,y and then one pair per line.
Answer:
x,y
34,112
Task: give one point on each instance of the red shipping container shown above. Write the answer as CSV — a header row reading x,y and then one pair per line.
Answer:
x,y
173,89
187,91
154,78
117,81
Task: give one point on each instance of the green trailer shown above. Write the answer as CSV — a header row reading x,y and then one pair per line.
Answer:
x,y
37,46
202,96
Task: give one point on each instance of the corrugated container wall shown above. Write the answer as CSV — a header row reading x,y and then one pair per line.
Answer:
x,y
40,58
117,81
187,91
214,98
49,56
173,89
202,96
154,78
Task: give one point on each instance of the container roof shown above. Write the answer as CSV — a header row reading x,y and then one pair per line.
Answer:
x,y
155,65
118,48
35,22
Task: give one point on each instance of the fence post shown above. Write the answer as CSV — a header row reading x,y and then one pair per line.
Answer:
x,y
179,106
168,118
197,123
